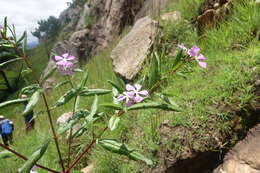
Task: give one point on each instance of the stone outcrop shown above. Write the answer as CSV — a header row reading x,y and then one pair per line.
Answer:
x,y
210,12
132,50
245,156
151,8
174,16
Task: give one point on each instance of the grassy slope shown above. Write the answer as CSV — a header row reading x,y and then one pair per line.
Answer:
x,y
199,93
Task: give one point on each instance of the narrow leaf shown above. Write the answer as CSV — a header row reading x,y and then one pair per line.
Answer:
x,y
24,46
32,102
155,71
65,98
123,149
94,109
84,80
29,89
21,38
5,27
92,92
113,122
10,61
118,87
11,102
153,105
34,158
61,84
5,154
112,106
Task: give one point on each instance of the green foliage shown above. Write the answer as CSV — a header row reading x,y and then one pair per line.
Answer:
x,y
32,102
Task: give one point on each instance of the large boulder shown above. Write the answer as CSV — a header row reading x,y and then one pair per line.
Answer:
x,y
245,156
130,53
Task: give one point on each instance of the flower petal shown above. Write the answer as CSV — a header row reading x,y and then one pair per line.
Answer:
x,y
181,46
58,58
65,55
130,94
138,87
144,93
202,64
128,103
70,58
120,98
193,51
138,99
129,87
200,57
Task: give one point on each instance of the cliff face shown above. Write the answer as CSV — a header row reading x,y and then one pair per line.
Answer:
x,y
89,28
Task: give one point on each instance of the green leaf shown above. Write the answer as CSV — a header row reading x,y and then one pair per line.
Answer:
x,y
71,122
61,84
153,105
10,61
24,46
5,154
177,62
155,71
112,106
123,149
34,158
94,109
32,102
83,81
21,38
118,87
65,98
113,122
11,102
167,100
5,27
26,72
47,75
92,92
29,89
78,70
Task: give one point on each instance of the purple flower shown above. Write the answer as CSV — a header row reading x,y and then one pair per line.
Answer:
x,y
194,52
65,64
133,94
201,61
136,93
126,98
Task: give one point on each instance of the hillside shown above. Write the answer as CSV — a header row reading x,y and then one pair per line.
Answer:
x,y
218,104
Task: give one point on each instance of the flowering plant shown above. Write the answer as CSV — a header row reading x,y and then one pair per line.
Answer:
x,y
127,98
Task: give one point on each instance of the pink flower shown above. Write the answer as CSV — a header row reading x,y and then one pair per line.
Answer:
x,y
65,64
126,98
201,61
133,94
136,93
194,52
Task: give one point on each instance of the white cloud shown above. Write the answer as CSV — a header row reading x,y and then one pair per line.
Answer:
x,y
24,14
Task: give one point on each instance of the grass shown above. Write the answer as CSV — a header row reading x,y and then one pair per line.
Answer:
x,y
232,52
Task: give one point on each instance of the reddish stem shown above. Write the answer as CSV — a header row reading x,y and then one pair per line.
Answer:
x,y
24,158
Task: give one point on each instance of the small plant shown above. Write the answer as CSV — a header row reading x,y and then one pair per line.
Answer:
x,y
126,98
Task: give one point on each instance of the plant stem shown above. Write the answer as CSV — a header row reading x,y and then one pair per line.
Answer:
x,y
24,158
70,133
86,150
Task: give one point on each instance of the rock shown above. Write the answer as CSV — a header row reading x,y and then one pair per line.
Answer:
x,y
245,156
151,8
77,40
82,20
172,16
210,12
257,83
132,50
64,118
88,169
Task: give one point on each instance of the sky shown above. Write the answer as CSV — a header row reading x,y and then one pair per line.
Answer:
x,y
24,14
